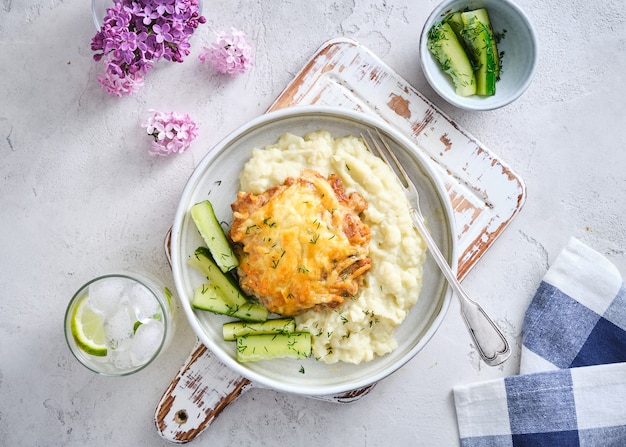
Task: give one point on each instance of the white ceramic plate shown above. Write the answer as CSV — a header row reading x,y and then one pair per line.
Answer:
x,y
216,179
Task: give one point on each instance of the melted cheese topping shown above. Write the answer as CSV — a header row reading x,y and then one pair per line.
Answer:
x,y
296,254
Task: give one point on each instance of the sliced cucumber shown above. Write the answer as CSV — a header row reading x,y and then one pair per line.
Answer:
x,y
213,234
236,329
202,261
251,348
209,297
480,42
456,23
448,51
483,16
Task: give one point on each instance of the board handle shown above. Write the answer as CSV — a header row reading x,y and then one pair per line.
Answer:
x,y
201,390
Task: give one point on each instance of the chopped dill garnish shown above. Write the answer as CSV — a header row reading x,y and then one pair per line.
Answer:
x,y
276,261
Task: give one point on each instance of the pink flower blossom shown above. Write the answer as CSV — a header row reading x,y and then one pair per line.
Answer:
x,y
230,54
173,132
117,83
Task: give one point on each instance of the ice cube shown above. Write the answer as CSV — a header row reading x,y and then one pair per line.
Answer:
x,y
119,327
144,303
105,295
122,359
146,341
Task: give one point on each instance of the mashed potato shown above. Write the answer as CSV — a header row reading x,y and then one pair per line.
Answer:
x,y
363,327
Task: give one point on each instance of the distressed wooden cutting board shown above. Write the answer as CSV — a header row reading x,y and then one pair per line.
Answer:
x,y
485,194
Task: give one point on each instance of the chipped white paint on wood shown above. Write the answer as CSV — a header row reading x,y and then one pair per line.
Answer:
x,y
200,391
485,194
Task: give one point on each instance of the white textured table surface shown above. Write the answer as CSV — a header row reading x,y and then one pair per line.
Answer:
x,y
80,196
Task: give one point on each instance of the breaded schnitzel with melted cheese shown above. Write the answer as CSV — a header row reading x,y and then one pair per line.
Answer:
x,y
301,245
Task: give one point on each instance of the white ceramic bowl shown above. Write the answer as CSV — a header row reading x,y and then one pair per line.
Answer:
x,y
216,178
518,64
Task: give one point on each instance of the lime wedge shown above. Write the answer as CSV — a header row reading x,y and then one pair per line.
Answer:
x,y
88,330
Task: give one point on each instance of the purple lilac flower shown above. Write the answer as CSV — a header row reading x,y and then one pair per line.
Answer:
x,y
173,132
137,33
148,14
162,33
230,54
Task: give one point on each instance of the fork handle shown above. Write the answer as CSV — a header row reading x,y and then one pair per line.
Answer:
x,y
491,343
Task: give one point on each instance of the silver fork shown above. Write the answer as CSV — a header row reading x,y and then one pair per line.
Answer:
x,y
490,342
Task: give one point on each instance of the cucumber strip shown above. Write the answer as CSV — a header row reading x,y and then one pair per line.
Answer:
x,y
448,51
251,348
456,23
236,329
478,38
209,297
213,234
483,16
202,261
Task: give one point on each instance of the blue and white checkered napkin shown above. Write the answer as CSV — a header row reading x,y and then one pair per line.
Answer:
x,y
571,390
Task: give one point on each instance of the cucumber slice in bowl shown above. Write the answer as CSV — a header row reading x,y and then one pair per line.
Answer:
x,y
447,49
252,348
211,298
236,329
234,301
480,42
211,231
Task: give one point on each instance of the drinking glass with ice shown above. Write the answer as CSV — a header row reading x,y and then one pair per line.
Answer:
x,y
117,324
